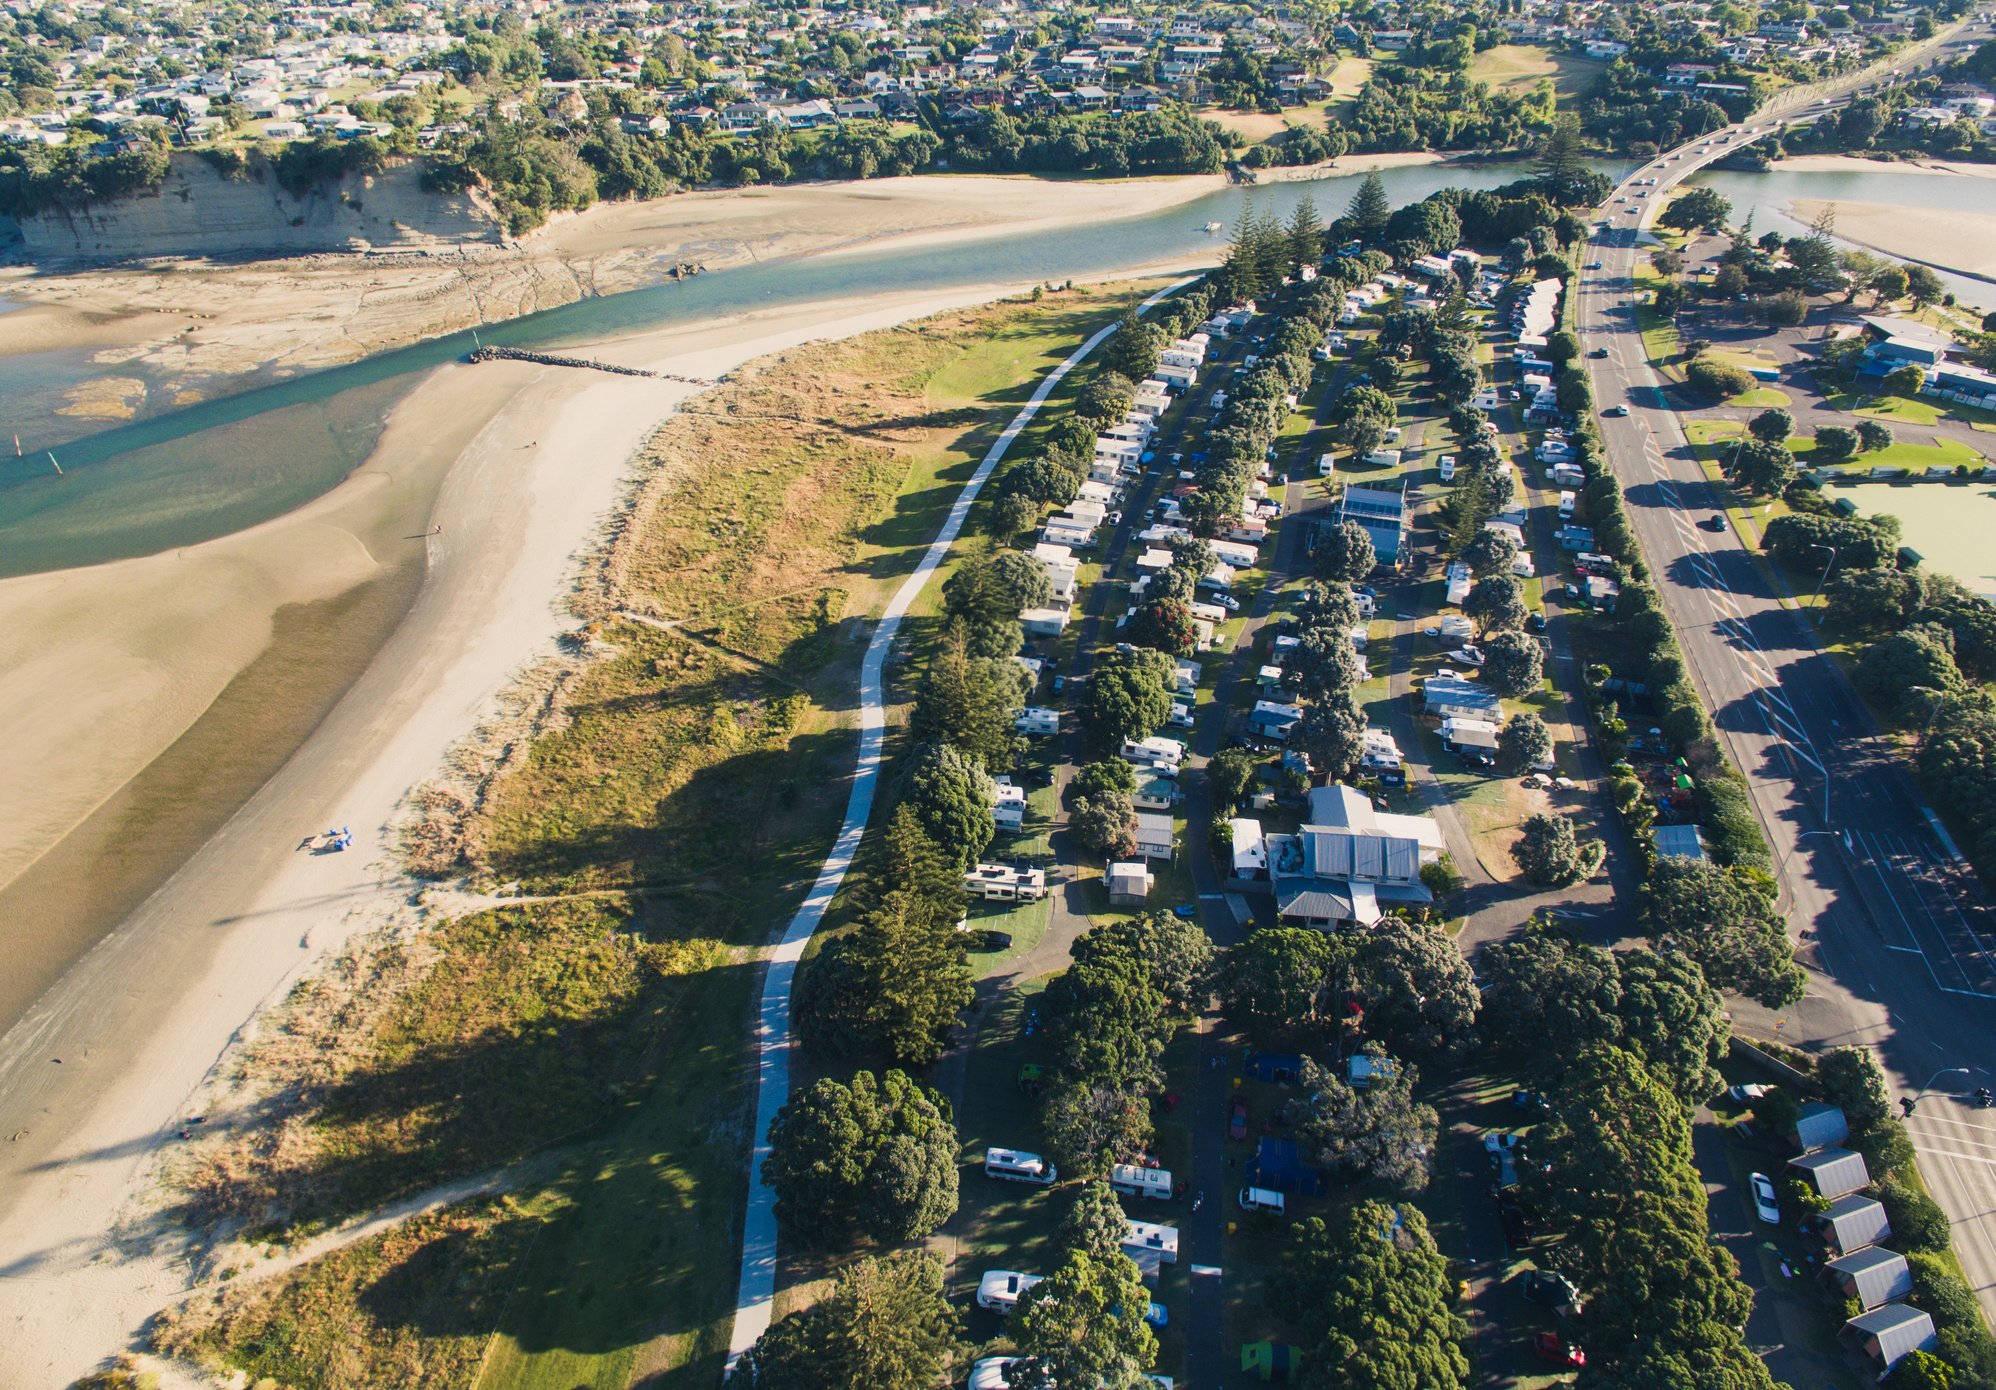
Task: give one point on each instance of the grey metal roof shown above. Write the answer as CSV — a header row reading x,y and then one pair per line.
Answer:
x,y
1313,898
1876,1275
1680,842
1446,690
1895,1330
1819,1126
1370,858
1856,1221
1834,1172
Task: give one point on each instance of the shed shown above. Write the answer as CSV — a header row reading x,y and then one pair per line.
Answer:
x,y
1885,1335
1250,857
1851,1223
1819,1126
1129,883
1873,1276
1833,1172
1680,842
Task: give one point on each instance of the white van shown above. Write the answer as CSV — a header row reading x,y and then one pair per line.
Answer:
x,y
1255,1199
1447,465
999,1290
1016,1165
1132,1181
1567,502
1326,466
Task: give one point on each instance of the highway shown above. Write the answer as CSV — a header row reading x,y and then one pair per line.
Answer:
x,y
1899,937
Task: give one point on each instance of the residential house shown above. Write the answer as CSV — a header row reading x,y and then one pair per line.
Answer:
x,y
1155,836
1819,1125
1849,1224
1874,1276
1129,883
1885,1336
1457,697
1349,859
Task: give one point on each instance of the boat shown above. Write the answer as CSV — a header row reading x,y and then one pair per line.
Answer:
x,y
1214,229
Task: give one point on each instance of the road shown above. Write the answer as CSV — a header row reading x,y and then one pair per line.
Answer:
x,y
756,1281
1895,929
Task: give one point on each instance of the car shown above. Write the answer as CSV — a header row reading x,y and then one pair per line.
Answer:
x,y
1535,621
1550,1290
1237,1120
1188,912
1714,522
1594,265
995,941
1156,1316
1747,1092
1616,411
1598,352
1550,1346
1765,1205
1228,602
1528,1100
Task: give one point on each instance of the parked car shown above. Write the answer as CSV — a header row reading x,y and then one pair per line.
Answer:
x,y
1550,1346
1535,621
995,941
1765,1206
1187,911
1550,1290
1237,1120
1747,1092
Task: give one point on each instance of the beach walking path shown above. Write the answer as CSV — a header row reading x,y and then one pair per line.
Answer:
x,y
756,1292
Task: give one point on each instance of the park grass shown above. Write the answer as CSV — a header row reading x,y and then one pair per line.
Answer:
x,y
1661,344
1758,397
1518,67
681,800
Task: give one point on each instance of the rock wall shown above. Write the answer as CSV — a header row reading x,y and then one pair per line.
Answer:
x,y
199,211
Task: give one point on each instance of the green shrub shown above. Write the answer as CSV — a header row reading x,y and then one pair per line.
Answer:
x,y
1717,379
1918,1223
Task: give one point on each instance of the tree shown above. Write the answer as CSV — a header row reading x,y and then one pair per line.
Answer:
x,y
1105,824
1344,552
1175,954
1094,1223
1132,351
1875,598
1165,624
1888,284
896,984
1332,732
1773,426
1374,1133
877,1155
952,798
1764,467
1904,381
1923,285
1916,659
978,597
1873,435
1011,513
968,703
1489,552
1497,603
1513,662
1724,919
1090,1125
1697,209
1716,379
1230,775
1276,977
886,1325
1525,741
1084,1325
1412,986
1127,697
1105,399
1834,444
1552,856
1375,1299
1919,1370
1306,234
1367,214
1022,579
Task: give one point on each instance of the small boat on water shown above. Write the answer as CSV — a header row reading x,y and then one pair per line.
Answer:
x,y
1214,229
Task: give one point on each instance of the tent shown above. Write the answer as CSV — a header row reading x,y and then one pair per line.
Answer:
x,y
1269,1361
1277,1164
1274,1066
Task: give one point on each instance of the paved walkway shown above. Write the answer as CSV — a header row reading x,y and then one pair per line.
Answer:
x,y
756,1290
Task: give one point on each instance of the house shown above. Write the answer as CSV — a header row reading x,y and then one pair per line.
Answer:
x,y
1157,794
1005,883
1383,515
1347,859
1250,854
1819,1126
1272,720
1129,883
1045,622
1155,838
1885,1336
1850,1224
1873,1276
1008,805
1680,842
1832,1173
1061,568
1456,697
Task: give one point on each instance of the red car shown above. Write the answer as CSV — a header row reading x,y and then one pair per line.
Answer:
x,y
1237,1120
1550,1346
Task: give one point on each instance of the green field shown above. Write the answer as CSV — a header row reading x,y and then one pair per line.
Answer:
x,y
1512,67
1949,524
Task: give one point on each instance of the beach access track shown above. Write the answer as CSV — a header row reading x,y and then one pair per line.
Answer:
x,y
756,1290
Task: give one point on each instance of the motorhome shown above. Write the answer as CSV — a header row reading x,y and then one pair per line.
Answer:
x,y
1133,1181
1017,1165
1000,1289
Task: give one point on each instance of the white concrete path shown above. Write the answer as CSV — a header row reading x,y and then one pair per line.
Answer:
x,y
756,1292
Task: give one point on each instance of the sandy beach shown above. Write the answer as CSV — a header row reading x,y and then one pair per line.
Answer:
x,y
107,1065
187,320
1963,242
1856,164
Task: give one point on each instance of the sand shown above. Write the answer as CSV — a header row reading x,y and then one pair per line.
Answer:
x,y
1856,164
106,1066
191,319
1963,242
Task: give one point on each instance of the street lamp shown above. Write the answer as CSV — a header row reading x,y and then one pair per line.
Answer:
x,y
1906,1103
1826,570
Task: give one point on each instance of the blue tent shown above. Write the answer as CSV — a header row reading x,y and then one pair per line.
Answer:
x,y
1278,1165
1274,1066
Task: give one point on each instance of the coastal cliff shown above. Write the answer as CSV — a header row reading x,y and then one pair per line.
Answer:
x,y
198,210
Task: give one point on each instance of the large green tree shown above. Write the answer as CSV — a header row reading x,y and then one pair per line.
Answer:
x,y
876,1155
1551,855
885,1325
1372,1133
1725,920
1376,1302
1128,696
952,798
1083,1325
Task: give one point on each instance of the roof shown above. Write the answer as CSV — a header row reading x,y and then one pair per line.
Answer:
x,y
1817,1126
1315,899
1876,1275
1680,842
1362,503
1457,692
1153,829
1835,1172
1896,1329
1249,852
1133,875
1344,854
1856,1221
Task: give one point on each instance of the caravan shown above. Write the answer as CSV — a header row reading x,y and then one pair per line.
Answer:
x,y
999,1290
1132,1181
1016,1165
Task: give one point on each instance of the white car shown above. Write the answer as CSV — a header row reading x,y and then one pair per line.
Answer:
x,y
1764,1204
1228,602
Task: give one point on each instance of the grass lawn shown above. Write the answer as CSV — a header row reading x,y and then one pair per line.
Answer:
x,y
1517,67
688,796
1761,396
1659,333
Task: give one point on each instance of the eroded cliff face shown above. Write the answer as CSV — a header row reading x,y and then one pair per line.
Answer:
x,y
199,211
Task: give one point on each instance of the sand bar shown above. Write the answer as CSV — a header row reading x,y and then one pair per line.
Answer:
x,y
1963,242
1857,164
